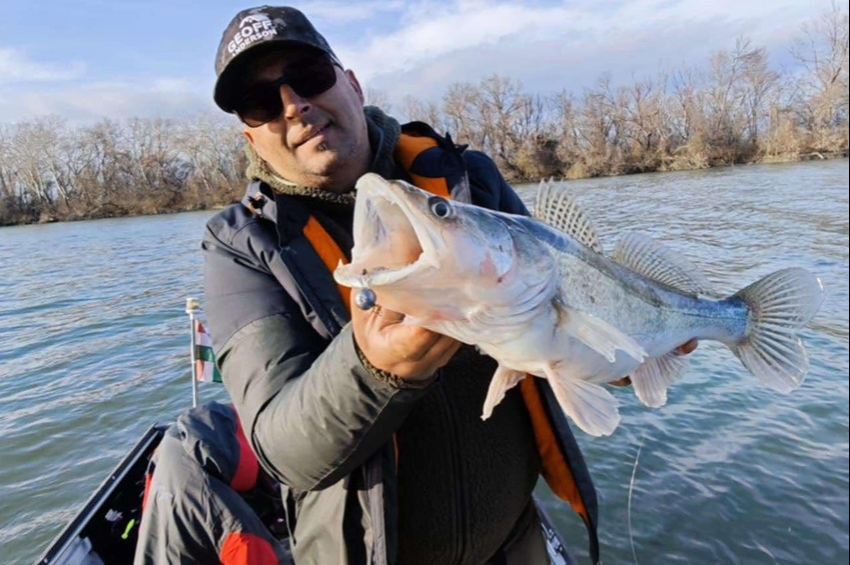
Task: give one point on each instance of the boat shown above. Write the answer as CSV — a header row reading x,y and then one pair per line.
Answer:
x,y
105,529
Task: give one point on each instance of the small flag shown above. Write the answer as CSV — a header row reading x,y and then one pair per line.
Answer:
x,y
205,367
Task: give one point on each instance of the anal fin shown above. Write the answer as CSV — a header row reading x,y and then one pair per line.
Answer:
x,y
655,375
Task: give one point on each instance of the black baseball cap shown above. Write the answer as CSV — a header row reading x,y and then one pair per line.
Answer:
x,y
255,31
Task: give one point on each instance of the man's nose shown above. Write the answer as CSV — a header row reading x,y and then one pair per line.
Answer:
x,y
293,104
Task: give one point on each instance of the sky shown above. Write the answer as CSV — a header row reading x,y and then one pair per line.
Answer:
x,y
86,60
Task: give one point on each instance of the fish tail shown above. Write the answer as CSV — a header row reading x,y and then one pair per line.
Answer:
x,y
780,304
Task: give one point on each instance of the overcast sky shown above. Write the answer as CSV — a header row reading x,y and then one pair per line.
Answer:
x,y
89,59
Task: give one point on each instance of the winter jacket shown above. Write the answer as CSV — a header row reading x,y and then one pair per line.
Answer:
x,y
318,420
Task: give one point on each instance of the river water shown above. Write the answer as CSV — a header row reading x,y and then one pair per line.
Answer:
x,y
94,348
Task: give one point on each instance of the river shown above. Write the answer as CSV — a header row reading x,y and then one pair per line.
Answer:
x,y
94,348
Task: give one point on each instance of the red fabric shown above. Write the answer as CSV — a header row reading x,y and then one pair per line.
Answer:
x,y
240,548
148,478
248,468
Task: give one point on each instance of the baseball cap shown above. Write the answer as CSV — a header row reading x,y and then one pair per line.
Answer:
x,y
255,31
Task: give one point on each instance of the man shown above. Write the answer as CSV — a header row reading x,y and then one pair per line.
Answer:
x,y
371,427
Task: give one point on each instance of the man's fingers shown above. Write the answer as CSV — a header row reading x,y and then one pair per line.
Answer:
x,y
687,347
385,317
443,349
400,348
428,360
418,341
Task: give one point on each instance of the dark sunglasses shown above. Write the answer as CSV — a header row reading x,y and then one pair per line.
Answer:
x,y
307,77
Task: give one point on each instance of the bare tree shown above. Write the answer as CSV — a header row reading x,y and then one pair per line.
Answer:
x,y
759,90
725,105
507,114
461,105
30,149
379,98
429,112
212,148
822,50
599,136
566,127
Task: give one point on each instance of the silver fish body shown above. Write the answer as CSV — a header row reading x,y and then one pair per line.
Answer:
x,y
546,301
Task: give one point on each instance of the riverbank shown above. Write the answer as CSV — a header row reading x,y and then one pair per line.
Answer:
x,y
112,211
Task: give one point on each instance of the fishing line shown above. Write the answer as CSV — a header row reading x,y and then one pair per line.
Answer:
x,y
631,489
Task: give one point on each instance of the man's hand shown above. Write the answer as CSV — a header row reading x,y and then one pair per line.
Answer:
x,y
409,352
683,349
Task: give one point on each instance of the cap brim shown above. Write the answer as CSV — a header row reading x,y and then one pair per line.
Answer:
x,y
227,82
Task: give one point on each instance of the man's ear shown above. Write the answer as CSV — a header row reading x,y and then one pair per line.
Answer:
x,y
247,133
355,84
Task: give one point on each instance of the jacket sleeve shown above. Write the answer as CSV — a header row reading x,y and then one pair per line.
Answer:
x,y
489,188
311,409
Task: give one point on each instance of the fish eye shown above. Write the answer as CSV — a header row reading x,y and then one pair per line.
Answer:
x,y
439,207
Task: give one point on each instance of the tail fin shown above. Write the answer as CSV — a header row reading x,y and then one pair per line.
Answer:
x,y
780,304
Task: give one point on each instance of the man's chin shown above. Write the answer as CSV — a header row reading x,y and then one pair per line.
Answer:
x,y
324,163
329,168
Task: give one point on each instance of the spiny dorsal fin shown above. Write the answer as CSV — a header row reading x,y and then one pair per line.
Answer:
x,y
644,255
555,207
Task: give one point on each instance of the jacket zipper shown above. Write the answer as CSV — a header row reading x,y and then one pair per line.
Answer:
x,y
373,474
456,477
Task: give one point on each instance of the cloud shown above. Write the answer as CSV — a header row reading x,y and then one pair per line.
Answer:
x,y
83,103
348,12
550,46
420,47
422,39
16,68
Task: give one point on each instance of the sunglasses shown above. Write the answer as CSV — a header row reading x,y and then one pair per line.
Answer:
x,y
307,77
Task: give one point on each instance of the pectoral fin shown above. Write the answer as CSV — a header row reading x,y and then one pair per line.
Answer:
x,y
589,405
654,376
597,334
503,380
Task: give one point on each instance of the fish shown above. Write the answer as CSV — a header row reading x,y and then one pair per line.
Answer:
x,y
538,295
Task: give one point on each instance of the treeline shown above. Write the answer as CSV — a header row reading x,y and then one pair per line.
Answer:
x,y
50,171
735,110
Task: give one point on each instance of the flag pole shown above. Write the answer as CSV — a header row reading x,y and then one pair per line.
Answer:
x,y
192,307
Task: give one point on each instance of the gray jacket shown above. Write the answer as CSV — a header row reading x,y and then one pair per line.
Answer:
x,y
318,421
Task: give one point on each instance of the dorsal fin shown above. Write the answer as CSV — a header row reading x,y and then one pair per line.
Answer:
x,y
644,255
555,207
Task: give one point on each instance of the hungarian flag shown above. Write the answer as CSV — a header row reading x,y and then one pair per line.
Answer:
x,y
205,367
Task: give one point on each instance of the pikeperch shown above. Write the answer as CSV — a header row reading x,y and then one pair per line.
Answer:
x,y
538,296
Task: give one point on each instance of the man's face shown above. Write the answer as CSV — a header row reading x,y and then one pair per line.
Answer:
x,y
321,141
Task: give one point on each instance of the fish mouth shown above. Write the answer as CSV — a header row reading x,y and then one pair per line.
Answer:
x,y
392,237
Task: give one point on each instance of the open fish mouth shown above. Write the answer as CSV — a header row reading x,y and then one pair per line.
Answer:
x,y
393,239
